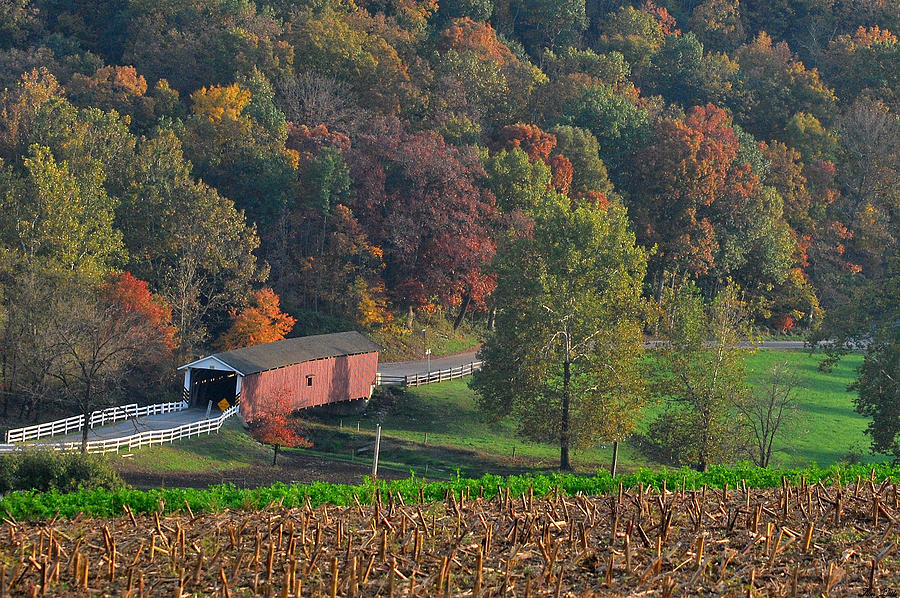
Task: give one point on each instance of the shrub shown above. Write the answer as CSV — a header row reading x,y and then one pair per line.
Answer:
x,y
7,473
385,399
45,470
87,471
38,470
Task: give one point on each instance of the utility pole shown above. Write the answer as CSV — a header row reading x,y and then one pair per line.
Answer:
x,y
615,459
377,448
424,343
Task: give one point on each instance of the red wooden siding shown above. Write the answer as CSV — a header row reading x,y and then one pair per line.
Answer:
x,y
334,379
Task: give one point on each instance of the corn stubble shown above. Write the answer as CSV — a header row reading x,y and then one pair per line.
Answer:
x,y
793,541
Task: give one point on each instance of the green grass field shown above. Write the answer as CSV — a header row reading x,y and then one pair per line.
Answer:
x,y
231,448
824,429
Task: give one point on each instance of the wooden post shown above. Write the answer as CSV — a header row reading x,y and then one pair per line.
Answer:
x,y
615,458
377,448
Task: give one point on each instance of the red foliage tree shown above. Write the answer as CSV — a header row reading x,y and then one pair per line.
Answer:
x,y
131,296
108,343
667,22
679,176
562,172
272,424
309,142
260,322
598,199
783,323
529,138
538,145
421,201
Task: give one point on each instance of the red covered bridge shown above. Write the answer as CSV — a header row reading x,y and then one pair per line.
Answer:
x,y
309,370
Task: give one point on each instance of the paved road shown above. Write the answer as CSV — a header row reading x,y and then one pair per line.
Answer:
x,y
775,345
134,426
420,366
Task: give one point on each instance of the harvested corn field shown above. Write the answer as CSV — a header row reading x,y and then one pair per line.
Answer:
x,y
807,539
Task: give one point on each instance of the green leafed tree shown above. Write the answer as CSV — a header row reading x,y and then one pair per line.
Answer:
x,y
700,379
871,319
581,148
552,23
516,182
57,219
186,240
565,357
618,124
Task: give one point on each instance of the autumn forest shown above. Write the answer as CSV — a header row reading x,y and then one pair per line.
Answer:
x,y
184,175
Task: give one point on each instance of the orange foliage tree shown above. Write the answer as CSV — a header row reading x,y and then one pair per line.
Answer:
x,y
272,424
119,88
107,342
130,295
260,322
538,145
686,167
466,34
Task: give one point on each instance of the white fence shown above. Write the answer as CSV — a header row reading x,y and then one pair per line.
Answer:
x,y
151,437
113,415
98,418
428,377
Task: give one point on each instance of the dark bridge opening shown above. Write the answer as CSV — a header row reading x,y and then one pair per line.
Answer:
x,y
212,385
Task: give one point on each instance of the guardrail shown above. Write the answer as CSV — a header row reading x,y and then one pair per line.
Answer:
x,y
151,437
98,418
429,377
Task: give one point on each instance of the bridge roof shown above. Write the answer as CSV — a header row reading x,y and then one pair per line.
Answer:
x,y
290,351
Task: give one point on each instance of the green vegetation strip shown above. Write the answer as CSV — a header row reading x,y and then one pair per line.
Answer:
x,y
103,503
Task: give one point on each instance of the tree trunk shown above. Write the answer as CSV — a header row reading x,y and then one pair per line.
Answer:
x,y
492,316
660,281
84,431
564,463
409,318
275,455
467,299
87,417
